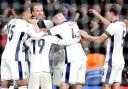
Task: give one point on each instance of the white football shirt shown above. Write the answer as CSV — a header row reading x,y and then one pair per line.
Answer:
x,y
68,31
40,52
18,31
116,31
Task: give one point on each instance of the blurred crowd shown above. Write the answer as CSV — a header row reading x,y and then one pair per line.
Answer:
x,y
74,10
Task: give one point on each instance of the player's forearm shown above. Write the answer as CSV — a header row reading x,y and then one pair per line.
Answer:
x,y
35,35
36,28
95,39
38,35
104,20
97,14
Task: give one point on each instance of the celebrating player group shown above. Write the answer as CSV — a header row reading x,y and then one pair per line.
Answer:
x,y
27,57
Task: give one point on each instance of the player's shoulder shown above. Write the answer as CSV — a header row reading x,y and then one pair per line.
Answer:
x,y
12,21
21,22
57,27
112,25
25,24
69,23
122,24
48,37
119,24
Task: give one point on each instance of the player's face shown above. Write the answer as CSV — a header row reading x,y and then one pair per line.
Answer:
x,y
27,14
109,15
38,12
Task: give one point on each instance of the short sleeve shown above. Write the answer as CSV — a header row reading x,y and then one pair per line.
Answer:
x,y
30,32
111,29
55,30
54,39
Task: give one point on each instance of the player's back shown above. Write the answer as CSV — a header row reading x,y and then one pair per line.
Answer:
x,y
15,39
68,31
40,53
115,43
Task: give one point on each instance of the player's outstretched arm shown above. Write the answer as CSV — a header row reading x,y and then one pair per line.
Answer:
x,y
68,42
104,20
35,35
96,39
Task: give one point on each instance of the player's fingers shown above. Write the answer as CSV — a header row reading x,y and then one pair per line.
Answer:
x,y
90,10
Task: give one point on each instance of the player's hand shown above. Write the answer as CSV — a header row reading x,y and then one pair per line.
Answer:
x,y
33,21
45,33
44,30
85,36
78,37
83,33
96,13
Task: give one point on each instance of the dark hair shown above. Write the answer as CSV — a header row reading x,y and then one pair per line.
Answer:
x,y
115,8
23,8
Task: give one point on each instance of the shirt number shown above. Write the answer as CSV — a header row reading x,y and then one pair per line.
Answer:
x,y
40,44
123,37
74,34
10,31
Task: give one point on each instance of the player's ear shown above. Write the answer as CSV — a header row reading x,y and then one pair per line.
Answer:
x,y
23,14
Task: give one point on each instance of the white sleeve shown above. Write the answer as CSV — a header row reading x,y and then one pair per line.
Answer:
x,y
111,30
30,31
59,41
4,29
55,30
48,24
68,42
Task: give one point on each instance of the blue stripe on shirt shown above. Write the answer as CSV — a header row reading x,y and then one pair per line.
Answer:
x,y
108,74
26,54
111,50
18,46
67,73
65,53
49,56
20,70
110,60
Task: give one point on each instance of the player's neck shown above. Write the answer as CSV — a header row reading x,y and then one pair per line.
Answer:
x,y
114,19
62,21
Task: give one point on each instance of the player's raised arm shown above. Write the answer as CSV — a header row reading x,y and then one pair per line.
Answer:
x,y
104,20
34,23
